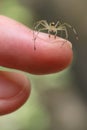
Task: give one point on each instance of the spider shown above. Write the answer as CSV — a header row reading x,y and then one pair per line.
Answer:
x,y
52,27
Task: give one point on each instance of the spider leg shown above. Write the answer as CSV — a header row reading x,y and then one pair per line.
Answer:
x,y
63,28
36,26
37,36
61,33
55,34
68,25
42,29
66,33
49,33
58,23
42,22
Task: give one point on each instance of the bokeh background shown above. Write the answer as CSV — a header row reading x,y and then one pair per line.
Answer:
x,y
57,101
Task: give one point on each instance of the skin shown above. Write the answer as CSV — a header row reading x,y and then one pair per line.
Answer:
x,y
14,91
17,51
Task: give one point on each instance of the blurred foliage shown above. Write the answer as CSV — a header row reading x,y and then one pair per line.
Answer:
x,y
13,9
60,80
31,116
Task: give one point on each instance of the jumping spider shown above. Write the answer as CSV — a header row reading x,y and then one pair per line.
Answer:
x,y
52,27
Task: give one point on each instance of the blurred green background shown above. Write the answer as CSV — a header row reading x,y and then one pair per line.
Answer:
x,y
57,101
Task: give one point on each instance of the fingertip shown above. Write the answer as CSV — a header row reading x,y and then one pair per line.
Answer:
x,y
49,55
52,54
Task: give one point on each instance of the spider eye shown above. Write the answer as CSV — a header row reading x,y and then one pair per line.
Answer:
x,y
52,24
